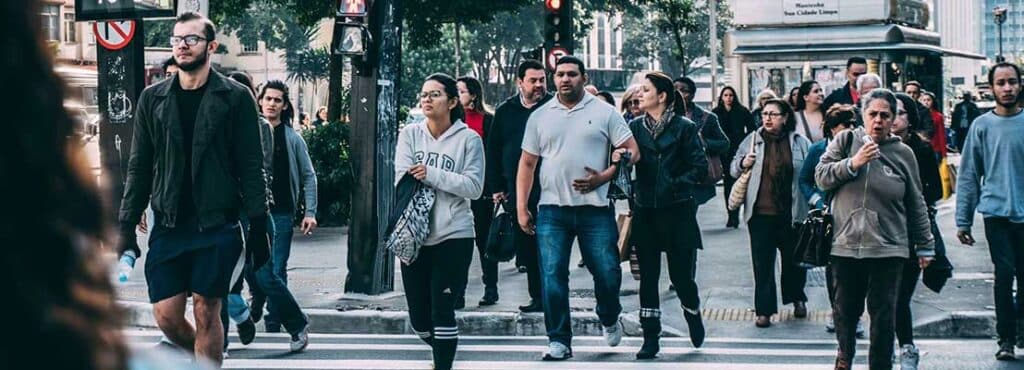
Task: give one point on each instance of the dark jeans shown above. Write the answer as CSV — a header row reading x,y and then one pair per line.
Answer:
x,y
960,137
282,308
595,229
430,283
681,254
483,214
1006,245
771,235
281,238
878,281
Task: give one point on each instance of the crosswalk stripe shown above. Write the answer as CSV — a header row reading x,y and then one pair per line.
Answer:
x,y
495,365
794,352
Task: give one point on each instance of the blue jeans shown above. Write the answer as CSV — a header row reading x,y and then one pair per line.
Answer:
x,y
282,242
597,233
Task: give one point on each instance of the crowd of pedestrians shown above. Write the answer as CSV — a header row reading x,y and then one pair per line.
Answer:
x,y
224,173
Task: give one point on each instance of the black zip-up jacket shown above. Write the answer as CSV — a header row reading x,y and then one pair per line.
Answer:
x,y
504,148
669,167
928,166
227,156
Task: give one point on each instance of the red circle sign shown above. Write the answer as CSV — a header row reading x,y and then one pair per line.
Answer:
x,y
114,35
554,54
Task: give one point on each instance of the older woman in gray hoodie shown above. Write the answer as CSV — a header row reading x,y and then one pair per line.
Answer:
x,y
878,210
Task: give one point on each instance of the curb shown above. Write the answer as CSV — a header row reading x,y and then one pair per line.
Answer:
x,y
961,324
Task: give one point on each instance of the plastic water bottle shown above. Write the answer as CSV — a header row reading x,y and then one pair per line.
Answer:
x,y
125,266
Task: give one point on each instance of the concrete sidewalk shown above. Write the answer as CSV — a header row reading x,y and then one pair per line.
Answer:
x,y
317,271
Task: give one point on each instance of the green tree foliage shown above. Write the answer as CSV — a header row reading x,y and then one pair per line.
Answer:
x,y
682,35
419,61
329,150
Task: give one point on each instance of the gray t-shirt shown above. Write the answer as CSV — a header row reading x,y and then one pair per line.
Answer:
x,y
568,141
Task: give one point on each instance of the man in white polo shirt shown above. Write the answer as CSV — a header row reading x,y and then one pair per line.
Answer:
x,y
573,134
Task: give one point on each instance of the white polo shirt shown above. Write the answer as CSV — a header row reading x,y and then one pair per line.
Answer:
x,y
568,141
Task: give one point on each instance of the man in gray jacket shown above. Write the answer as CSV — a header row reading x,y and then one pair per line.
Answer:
x,y
292,171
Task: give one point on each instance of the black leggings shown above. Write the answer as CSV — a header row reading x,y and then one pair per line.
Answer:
x,y
904,320
430,282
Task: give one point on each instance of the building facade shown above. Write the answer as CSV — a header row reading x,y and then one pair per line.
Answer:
x,y
1013,28
958,22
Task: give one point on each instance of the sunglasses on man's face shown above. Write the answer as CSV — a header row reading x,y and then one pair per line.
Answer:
x,y
634,102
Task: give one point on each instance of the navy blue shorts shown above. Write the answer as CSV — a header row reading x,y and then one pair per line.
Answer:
x,y
184,259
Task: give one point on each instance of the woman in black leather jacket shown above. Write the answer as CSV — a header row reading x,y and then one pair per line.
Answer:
x,y
671,163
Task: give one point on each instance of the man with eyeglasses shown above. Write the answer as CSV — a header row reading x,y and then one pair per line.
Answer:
x,y
197,158
849,94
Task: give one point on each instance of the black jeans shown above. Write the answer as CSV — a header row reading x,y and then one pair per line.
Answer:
x,y
1006,245
657,230
878,281
527,255
728,181
430,284
770,235
904,320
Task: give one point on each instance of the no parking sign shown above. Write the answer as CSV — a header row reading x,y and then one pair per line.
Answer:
x,y
114,35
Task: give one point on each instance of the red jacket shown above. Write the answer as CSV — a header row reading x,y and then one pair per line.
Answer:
x,y
939,136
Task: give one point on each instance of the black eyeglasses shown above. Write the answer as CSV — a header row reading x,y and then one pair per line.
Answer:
x,y
190,40
771,114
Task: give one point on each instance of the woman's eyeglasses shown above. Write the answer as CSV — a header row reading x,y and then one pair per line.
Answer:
x,y
430,94
771,114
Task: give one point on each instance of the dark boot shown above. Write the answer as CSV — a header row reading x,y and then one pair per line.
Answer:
x,y
490,296
734,220
444,353
696,327
652,333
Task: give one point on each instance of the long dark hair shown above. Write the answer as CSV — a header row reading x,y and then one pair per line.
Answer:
x,y
663,84
805,88
784,108
735,100
477,90
913,115
288,112
451,89
60,292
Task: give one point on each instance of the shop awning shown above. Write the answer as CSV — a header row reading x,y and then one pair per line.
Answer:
x,y
849,38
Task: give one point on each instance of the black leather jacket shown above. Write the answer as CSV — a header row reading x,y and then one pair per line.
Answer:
x,y
670,166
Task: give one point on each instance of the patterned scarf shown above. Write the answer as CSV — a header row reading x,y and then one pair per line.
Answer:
x,y
657,127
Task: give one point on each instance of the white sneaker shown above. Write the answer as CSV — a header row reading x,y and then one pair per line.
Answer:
x,y
909,357
830,326
557,352
860,330
300,340
613,334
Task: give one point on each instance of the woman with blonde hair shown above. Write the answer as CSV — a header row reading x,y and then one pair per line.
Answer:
x,y
630,106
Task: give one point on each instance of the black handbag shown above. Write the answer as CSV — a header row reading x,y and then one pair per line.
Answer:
x,y
814,239
501,238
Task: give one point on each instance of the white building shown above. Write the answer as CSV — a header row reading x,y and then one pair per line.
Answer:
x,y
601,50
958,23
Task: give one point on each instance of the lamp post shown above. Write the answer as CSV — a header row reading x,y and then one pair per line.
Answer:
x,y
999,14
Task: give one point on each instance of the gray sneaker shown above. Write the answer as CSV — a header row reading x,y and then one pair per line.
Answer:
x,y
613,334
300,340
557,352
909,357
860,329
830,326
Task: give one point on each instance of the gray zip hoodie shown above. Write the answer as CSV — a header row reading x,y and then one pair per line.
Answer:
x,y
879,210
455,168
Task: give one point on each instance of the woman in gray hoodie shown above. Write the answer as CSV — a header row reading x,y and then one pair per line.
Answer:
x,y
444,154
878,211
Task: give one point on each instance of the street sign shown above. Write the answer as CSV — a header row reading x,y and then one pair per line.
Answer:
x,y
114,35
554,54
101,10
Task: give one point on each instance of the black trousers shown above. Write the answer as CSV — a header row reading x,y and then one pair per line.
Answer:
x,y
657,231
483,214
771,235
1006,245
877,280
728,181
528,255
904,319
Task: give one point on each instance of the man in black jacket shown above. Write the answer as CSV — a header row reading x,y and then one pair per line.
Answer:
x,y
197,159
963,114
855,67
503,152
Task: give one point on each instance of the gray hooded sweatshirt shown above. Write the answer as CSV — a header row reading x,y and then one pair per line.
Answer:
x,y
879,210
455,168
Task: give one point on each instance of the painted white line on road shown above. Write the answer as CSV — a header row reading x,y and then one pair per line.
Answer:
x,y
496,365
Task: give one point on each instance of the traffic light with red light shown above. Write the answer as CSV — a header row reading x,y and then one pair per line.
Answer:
x,y
558,24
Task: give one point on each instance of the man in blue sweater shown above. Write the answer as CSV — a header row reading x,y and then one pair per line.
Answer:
x,y
990,181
